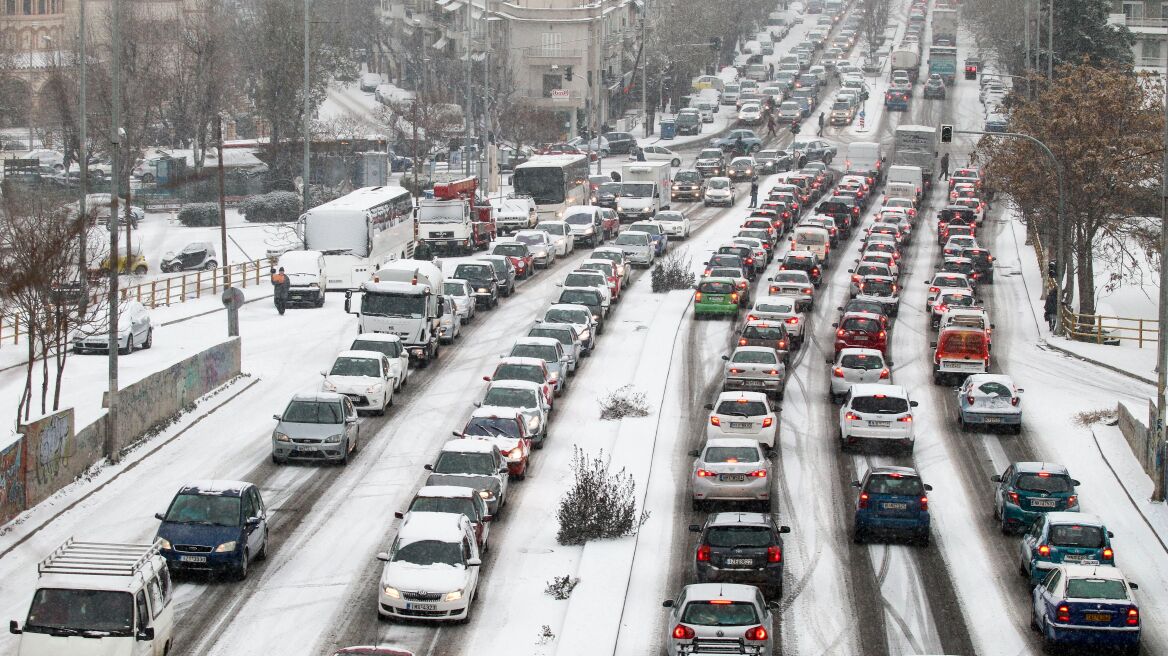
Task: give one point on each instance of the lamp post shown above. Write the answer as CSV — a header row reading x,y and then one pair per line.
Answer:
x,y
307,111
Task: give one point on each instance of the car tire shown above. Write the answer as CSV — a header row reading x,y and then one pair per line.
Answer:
x,y
344,461
210,265
1004,526
242,571
263,552
320,299
1022,569
765,506
675,163
858,536
697,505
277,461
129,345
140,270
923,539
961,423
150,342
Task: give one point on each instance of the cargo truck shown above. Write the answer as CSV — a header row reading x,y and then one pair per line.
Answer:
x,y
645,190
943,62
945,27
916,145
403,299
451,222
908,60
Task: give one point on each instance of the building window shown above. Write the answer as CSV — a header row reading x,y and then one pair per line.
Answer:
x,y
551,82
1133,9
1151,50
28,7
551,44
10,7
40,6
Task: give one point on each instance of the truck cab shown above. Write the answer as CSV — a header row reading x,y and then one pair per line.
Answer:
x,y
402,299
645,190
451,222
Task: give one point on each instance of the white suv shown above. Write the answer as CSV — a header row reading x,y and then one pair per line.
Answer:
x,y
877,412
364,377
743,414
432,570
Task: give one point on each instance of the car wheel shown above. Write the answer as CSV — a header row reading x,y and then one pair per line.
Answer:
x,y
345,458
277,461
675,163
263,552
1004,525
698,505
148,178
961,423
242,570
858,536
150,342
129,348
320,299
923,539
140,270
210,265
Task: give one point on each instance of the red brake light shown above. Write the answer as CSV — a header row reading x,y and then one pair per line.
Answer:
x,y
884,373
681,631
774,554
1063,613
969,399
742,342
751,317
883,334
702,473
905,420
758,632
1133,616
863,500
758,473
698,295
782,343
838,372
841,332
924,503
793,320
934,290
1014,498
1043,550
735,371
1108,554
851,416
714,420
807,290
1014,401
734,297
1044,474
767,421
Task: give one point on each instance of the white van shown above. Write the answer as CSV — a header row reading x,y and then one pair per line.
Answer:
x,y
98,598
865,158
814,239
911,175
306,277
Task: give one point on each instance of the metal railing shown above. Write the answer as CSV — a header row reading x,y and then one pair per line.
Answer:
x,y
164,292
1103,329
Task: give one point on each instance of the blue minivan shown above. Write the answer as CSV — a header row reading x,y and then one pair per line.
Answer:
x,y
214,526
892,500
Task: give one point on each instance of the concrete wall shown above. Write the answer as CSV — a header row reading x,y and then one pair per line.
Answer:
x,y
51,453
1139,438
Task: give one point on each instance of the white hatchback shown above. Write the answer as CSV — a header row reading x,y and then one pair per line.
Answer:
x,y
856,366
743,414
432,570
364,377
780,308
880,413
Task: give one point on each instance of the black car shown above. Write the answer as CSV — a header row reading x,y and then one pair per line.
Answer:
x,y
607,193
619,143
730,260
773,161
711,162
841,208
482,279
504,272
813,150
983,264
864,305
741,547
689,121
808,263
687,185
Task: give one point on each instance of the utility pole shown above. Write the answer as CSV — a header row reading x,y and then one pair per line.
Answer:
x,y
1158,433
222,203
116,132
644,67
466,113
307,118
1026,34
83,155
1050,41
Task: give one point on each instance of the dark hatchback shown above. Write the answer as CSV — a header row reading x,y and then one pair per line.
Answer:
x,y
214,526
741,547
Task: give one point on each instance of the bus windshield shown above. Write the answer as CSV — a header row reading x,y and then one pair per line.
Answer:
x,y
546,185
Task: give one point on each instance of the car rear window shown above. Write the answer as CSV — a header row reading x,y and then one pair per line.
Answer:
x,y
898,485
739,536
778,308
1075,535
877,287
716,287
1048,484
1096,589
947,281
861,361
726,260
754,357
742,408
706,613
764,332
861,325
473,271
880,404
731,454
994,389
963,343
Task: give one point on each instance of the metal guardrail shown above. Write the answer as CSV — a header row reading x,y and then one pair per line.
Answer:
x,y
1103,329
164,292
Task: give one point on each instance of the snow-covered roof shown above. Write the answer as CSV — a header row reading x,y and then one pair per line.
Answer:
x,y
732,442
446,492
1063,517
517,384
214,486
377,337
361,355
325,397
748,396
443,527
731,591
539,341
853,350
1094,572
492,411
872,389
464,445
531,362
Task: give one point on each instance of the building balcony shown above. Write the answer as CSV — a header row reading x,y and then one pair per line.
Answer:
x,y
1151,63
543,56
1141,24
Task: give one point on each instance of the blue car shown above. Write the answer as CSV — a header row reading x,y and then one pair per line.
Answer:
x,y
1063,537
892,500
656,234
1086,605
214,526
1027,490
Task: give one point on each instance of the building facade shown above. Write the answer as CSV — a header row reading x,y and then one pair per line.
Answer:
x,y
1148,23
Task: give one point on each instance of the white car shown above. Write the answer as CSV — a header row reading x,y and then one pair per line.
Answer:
x,y
637,246
881,413
761,254
719,191
449,323
462,294
432,570
135,330
750,114
659,154
877,257
673,224
854,366
561,236
589,278
542,245
942,281
364,377
780,308
743,414
796,284
525,397
391,346
755,368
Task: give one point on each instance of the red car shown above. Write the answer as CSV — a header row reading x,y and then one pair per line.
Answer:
x,y
564,149
861,330
520,255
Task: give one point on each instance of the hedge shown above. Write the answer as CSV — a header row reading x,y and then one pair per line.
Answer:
x,y
272,206
199,215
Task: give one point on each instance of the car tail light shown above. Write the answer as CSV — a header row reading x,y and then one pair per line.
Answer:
x,y
758,473
751,317
774,290
838,372
1133,616
782,343
773,372
702,473
774,555
736,371
884,373
681,631
905,420
969,399
742,342
882,334
715,421
815,271
1063,613
855,278
1014,498
793,320
807,290
934,290
924,503
851,416
1108,554
698,295
1043,550
734,297
767,421
1072,501
758,632
750,260
1014,401
863,500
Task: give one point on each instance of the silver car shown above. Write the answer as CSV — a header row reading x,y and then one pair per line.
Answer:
x,y
797,285
550,351
568,337
580,318
449,324
473,463
757,368
720,618
527,398
463,296
731,469
319,426
853,366
637,246
543,251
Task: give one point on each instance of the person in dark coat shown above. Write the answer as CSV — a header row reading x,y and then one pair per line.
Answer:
x,y
640,154
820,133
281,287
771,125
615,176
944,167
1050,310
754,191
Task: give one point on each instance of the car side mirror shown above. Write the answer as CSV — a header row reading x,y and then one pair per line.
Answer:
x,y
726,358
383,556
1019,391
276,417
927,281
14,627
160,517
668,603
487,378
695,528
933,345
428,467
474,562
399,514
456,433
145,634
1075,483
997,478
1110,534
252,522
856,484
840,309
913,404
478,404
695,453
503,469
1133,585
928,488
991,326
835,325
709,406
784,529
324,373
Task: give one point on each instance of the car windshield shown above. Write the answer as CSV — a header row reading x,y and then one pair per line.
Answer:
x,y
546,353
1044,483
527,239
392,305
578,317
710,153
610,188
211,509
763,332
742,408
517,250
625,239
731,454
778,308
579,297
429,552
511,398
526,372
861,325
689,177
705,613
582,280
754,357
636,189
579,218
492,427
897,485
602,267
356,367
1096,589
716,287
455,288
861,361
90,613
562,335
544,185
880,404
390,349
1076,535
716,183
612,256
667,216
464,462
473,271
458,505
313,412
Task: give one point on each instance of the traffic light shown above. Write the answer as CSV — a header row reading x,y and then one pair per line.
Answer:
x,y
568,73
946,134
716,44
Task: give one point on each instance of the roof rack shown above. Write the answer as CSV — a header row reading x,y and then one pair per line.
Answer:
x,y
98,558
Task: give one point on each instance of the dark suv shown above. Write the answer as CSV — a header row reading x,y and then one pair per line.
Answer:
x,y
741,547
619,143
802,261
844,209
892,500
983,264
484,282
711,162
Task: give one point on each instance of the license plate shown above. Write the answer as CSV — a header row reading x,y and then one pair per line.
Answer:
x,y
861,338
733,478
895,506
193,559
739,561
1069,558
716,299
1042,503
752,383
879,424
992,420
411,606
739,424
1097,617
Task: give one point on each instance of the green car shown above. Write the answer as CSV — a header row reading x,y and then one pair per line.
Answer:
x,y
716,296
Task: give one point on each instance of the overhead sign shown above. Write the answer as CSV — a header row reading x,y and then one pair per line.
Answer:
x,y
560,94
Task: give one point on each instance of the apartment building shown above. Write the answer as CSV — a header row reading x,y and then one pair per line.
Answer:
x,y
1149,24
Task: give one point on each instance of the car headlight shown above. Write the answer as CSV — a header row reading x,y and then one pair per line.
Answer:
x,y
374,389
486,494
329,386
391,592
417,352
281,437
163,543
333,439
483,290
554,376
533,424
453,596
225,547
313,285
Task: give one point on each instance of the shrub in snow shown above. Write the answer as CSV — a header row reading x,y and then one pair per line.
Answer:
x,y
1099,416
672,272
199,215
623,402
560,587
545,635
600,504
272,206
321,194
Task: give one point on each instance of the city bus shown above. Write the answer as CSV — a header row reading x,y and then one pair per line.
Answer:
x,y
359,232
554,182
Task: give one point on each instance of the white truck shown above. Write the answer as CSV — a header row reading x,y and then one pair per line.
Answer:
x,y
403,299
906,59
451,222
645,190
916,145
906,175
514,213
944,27
359,232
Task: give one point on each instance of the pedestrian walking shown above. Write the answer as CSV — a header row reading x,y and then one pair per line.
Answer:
x,y
281,286
771,125
615,176
754,191
1050,310
640,154
944,167
771,71
820,133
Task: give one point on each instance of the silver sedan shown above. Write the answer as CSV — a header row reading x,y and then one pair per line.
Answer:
x,y
731,469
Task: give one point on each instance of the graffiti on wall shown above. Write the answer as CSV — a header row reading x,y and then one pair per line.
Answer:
x,y
12,495
52,446
207,371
